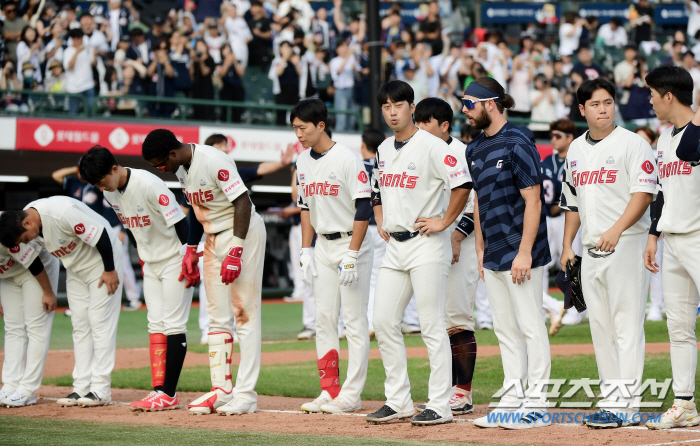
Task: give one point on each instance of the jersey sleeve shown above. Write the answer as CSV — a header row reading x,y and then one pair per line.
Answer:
x,y
225,174
82,225
525,164
641,168
358,181
163,201
568,200
445,161
25,253
301,197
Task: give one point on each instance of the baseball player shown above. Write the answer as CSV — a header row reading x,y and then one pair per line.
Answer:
x,y
675,214
434,115
610,180
157,228
562,133
334,196
414,167
92,255
512,248
28,283
233,263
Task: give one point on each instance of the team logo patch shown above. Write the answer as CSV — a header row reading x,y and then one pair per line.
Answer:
x,y
381,164
331,176
302,177
661,154
79,229
163,200
14,249
499,164
223,175
573,164
610,160
411,166
202,183
362,176
648,167
450,160
139,208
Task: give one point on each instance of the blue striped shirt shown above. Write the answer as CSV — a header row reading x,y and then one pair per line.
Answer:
x,y
500,166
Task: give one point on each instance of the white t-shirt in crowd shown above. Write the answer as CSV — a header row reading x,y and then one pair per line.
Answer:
x,y
79,78
568,44
616,38
693,19
346,78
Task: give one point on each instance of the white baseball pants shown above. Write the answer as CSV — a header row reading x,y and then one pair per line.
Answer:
x,y
241,299
482,311
615,289
522,335
379,246
300,288
419,265
680,282
95,315
461,288
167,299
656,289
26,320
330,296
203,318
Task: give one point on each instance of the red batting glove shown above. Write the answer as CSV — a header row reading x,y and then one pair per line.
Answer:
x,y
231,268
190,270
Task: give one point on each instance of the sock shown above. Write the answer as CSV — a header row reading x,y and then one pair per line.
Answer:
x,y
158,353
177,349
463,358
686,398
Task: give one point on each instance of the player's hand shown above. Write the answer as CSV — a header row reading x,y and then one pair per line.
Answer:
x,y
480,259
190,270
111,279
650,254
426,226
306,261
48,301
231,267
287,155
567,255
347,271
456,243
383,234
520,268
608,240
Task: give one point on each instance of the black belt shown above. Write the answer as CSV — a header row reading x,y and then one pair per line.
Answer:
x,y
336,235
403,236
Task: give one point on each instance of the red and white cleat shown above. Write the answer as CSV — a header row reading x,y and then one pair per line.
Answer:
x,y
208,403
159,401
135,404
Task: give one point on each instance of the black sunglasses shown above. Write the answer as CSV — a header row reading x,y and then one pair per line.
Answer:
x,y
598,254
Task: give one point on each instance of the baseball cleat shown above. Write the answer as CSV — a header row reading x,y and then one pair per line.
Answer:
x,y
683,413
18,400
135,404
555,321
306,334
70,400
386,414
604,419
461,403
339,405
133,305
208,403
237,407
315,405
409,328
654,314
156,401
4,394
292,299
492,420
204,340
527,421
92,400
429,417
486,325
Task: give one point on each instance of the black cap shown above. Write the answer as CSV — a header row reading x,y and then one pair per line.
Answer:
x,y
125,38
158,20
136,32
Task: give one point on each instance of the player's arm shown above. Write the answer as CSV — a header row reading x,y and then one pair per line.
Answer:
x,y
688,148
376,200
654,234
48,299
306,259
479,236
363,211
271,167
635,209
572,220
60,174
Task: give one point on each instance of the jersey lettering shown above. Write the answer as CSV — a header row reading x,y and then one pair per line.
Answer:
x,y
3,268
674,168
602,176
200,196
548,186
139,221
325,188
402,180
64,250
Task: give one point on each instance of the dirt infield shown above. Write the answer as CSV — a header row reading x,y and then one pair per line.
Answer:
x,y
278,414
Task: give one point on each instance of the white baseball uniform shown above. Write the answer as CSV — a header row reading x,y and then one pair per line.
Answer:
x,y
71,231
411,181
600,181
25,319
680,224
149,210
211,184
327,189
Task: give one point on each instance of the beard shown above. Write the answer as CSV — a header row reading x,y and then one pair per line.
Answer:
x,y
482,121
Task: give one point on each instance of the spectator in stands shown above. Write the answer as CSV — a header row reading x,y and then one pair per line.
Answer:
x,y
577,79
12,28
688,62
138,50
519,87
43,25
641,23
201,71
585,64
321,29
588,31
392,25
214,40
162,80
238,32
361,89
93,37
231,72
625,74
285,73
119,17
420,89
430,28
205,9
649,136
677,56
29,51
54,49
544,99
156,32
612,34
259,48
55,76
343,68
678,36
320,74
180,60
559,79
12,101
302,7
78,62
693,17
570,33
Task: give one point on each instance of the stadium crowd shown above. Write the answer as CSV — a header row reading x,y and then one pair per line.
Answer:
x,y
231,50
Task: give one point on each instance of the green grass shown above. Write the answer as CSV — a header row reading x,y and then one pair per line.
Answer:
x,y
15,430
301,379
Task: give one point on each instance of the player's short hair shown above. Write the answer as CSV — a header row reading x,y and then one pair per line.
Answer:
x,y
433,108
653,136
372,139
311,110
396,91
468,132
564,126
96,164
11,228
158,144
587,88
674,80
216,138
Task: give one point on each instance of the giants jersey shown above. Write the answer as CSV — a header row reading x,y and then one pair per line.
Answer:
x,y
412,179
679,182
17,259
460,152
71,231
601,179
328,187
211,184
552,178
149,210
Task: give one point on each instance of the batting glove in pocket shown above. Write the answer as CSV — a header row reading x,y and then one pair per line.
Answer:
x,y
347,271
